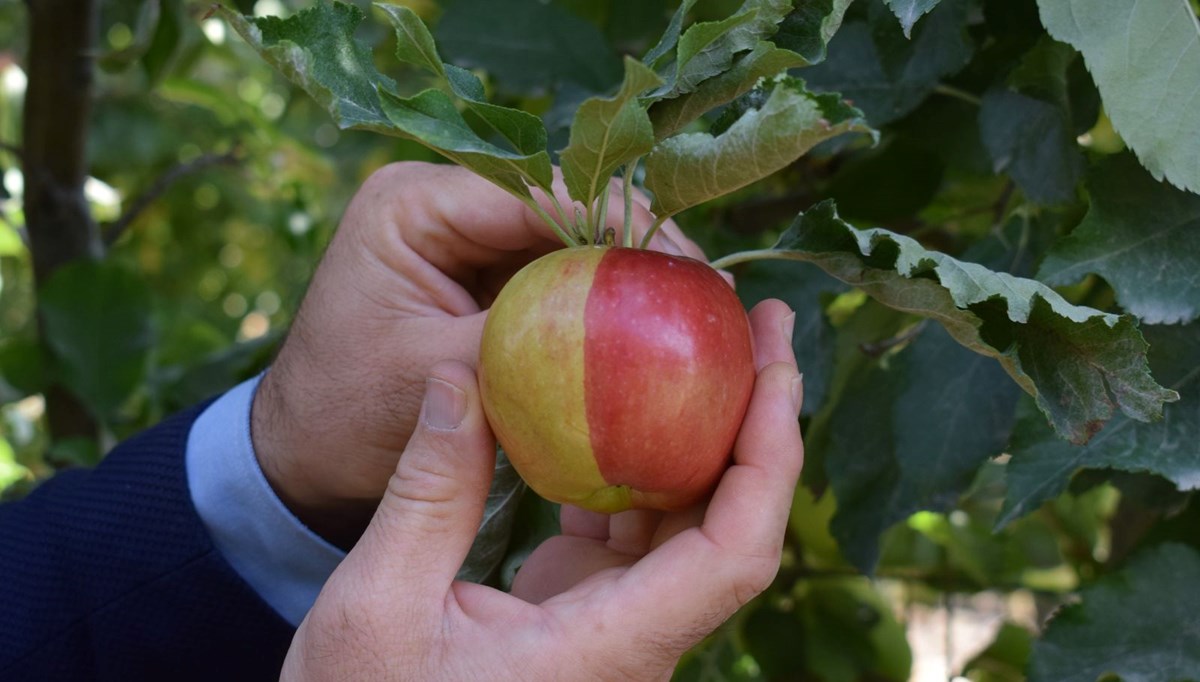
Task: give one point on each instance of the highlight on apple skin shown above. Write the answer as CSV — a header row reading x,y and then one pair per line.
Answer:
x,y
617,378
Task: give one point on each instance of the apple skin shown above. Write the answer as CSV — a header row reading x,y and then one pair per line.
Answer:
x,y
617,378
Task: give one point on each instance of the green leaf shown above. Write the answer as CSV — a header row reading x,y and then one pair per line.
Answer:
x,y
670,37
1075,361
1030,128
145,27
316,50
1145,59
167,42
414,42
909,11
528,47
499,513
803,289
765,60
608,133
1042,465
1031,141
1142,236
96,318
704,52
692,168
431,118
1140,623
415,45
807,29
707,49
886,75
909,435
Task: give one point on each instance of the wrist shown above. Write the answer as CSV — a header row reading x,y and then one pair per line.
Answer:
x,y
281,447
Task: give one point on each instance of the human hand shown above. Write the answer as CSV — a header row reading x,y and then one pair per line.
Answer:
x,y
618,597
421,252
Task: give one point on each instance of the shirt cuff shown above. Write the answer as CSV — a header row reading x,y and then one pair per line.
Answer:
x,y
276,554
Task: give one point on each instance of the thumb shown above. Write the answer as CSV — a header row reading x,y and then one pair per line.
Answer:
x,y
434,502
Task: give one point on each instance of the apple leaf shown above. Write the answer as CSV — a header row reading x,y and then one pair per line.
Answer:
x,y
1031,141
1030,127
316,50
909,11
1145,59
1042,465
802,288
499,513
1157,639
910,434
1142,236
96,320
707,49
873,64
670,37
808,28
1077,362
529,47
415,45
765,60
692,168
608,133
414,42
431,118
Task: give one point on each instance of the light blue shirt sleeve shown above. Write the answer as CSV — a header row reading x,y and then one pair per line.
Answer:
x,y
280,558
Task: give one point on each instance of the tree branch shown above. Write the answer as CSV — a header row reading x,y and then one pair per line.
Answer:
x,y
12,149
114,230
58,104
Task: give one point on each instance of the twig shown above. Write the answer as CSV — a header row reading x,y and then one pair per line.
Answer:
x,y
13,149
1001,206
957,93
114,230
880,347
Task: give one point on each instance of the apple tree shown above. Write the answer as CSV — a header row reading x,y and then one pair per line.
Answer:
x,y
986,214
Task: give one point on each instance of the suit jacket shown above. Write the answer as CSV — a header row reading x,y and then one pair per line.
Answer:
x,y
109,574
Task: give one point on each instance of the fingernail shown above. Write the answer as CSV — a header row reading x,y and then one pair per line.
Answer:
x,y
789,326
445,405
797,392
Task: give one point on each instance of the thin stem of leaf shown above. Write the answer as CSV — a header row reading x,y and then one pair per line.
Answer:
x,y
603,218
627,180
725,262
658,221
957,93
558,207
590,229
558,229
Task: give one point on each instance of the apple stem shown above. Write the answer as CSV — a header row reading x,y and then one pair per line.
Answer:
x,y
627,180
732,259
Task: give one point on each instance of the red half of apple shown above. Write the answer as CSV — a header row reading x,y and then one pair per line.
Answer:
x,y
617,378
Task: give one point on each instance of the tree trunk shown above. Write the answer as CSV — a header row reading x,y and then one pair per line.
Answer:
x,y
58,100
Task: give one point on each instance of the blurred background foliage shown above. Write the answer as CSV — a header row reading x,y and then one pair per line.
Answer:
x,y
198,289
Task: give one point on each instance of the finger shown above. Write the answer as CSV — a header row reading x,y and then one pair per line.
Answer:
x,y
631,532
583,523
562,562
698,578
434,502
749,510
772,323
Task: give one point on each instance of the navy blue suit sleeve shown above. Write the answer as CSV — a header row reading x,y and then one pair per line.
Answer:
x,y
109,574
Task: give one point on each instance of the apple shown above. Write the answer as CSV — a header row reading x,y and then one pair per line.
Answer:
x,y
617,378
